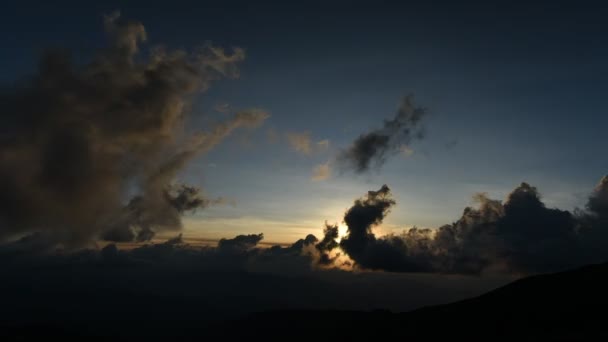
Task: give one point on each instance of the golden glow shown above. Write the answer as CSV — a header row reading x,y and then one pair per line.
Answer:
x,y
342,230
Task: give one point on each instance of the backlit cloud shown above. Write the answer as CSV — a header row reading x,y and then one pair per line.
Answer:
x,y
92,149
520,236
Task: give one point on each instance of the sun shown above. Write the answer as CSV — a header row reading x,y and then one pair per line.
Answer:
x,y
342,231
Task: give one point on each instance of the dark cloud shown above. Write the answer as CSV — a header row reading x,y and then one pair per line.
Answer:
x,y
329,242
185,198
598,201
360,218
362,245
240,243
92,148
374,147
593,224
520,236
330,234
451,144
301,243
119,234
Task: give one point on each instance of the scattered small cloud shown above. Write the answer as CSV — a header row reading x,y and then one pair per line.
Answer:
x,y
451,144
300,142
272,135
223,108
405,151
321,172
323,144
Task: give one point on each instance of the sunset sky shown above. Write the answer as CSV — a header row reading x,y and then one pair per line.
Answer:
x,y
182,170
510,98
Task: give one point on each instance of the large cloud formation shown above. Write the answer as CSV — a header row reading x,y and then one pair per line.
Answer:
x,y
92,149
519,236
371,149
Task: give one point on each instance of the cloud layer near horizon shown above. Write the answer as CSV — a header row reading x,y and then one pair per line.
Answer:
x,y
518,236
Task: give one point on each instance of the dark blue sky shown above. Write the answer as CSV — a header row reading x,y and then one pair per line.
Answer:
x,y
516,92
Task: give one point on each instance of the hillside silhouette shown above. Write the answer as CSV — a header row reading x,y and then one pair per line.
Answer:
x,y
561,306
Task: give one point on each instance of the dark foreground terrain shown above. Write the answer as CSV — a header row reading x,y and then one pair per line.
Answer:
x,y
563,306
569,305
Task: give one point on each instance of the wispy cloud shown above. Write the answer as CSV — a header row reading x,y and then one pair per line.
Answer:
x,y
77,138
406,151
321,172
374,147
300,142
222,108
323,144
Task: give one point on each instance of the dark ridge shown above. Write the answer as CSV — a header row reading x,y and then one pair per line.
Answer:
x,y
558,307
562,306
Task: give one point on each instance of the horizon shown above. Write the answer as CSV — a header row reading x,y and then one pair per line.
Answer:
x,y
196,168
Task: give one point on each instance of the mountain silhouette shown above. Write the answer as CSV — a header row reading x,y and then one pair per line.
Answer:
x,y
563,306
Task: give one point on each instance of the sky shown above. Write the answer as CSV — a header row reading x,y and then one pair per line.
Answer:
x,y
210,159
513,92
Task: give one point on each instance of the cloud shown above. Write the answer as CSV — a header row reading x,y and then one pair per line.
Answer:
x,y
360,243
372,149
329,243
451,144
593,223
323,144
321,172
146,215
300,142
520,236
405,151
597,205
240,243
272,135
92,148
222,108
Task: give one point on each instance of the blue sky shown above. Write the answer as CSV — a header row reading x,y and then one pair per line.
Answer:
x,y
515,93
